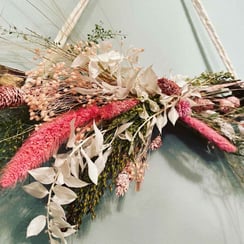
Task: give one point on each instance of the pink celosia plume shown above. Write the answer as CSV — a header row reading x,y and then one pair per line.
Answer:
x,y
210,134
44,142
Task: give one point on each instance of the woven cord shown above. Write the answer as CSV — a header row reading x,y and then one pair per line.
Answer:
x,y
213,35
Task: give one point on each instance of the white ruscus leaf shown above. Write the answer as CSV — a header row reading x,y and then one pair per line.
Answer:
x,y
36,226
92,168
173,115
63,195
71,141
36,189
56,210
44,175
98,138
57,233
122,128
161,121
72,181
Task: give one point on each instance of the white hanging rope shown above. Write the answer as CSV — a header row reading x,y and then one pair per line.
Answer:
x,y
213,35
70,23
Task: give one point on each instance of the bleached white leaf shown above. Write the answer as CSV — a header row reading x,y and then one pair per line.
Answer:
x,y
72,181
65,169
121,92
149,80
98,138
44,175
92,168
82,164
105,46
161,121
60,178
185,89
101,160
60,159
196,94
122,137
71,141
74,166
153,106
36,189
63,195
142,137
122,128
56,210
54,241
69,232
128,135
57,233
93,69
173,115
133,54
144,114
80,61
92,171
85,91
36,226
60,222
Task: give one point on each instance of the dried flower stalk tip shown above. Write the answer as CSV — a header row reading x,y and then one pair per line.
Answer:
x,y
169,87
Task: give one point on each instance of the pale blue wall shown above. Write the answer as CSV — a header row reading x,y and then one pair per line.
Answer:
x,y
176,204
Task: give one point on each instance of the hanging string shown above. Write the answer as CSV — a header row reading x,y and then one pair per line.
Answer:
x,y
214,37
69,25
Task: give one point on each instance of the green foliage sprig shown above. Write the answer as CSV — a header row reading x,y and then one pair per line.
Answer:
x,y
100,34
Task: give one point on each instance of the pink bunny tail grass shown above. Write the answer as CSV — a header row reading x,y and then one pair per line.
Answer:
x,y
221,142
115,108
44,142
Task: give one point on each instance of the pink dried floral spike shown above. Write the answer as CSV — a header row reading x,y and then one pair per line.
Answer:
x,y
210,134
169,87
122,184
44,142
184,110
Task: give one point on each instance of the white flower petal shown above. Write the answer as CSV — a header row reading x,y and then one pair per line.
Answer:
x,y
173,115
44,175
63,195
36,189
36,226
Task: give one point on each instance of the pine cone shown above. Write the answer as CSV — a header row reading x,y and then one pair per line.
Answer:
x,y
10,96
169,87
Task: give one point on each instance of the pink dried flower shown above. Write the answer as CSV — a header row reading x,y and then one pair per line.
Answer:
x,y
183,108
10,96
225,105
210,134
44,142
202,105
122,184
115,108
136,171
234,100
156,143
169,87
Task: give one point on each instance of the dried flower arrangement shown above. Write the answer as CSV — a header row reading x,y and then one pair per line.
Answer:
x,y
90,111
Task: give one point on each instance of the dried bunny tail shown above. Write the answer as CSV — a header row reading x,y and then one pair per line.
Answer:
x,y
44,142
221,142
115,108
